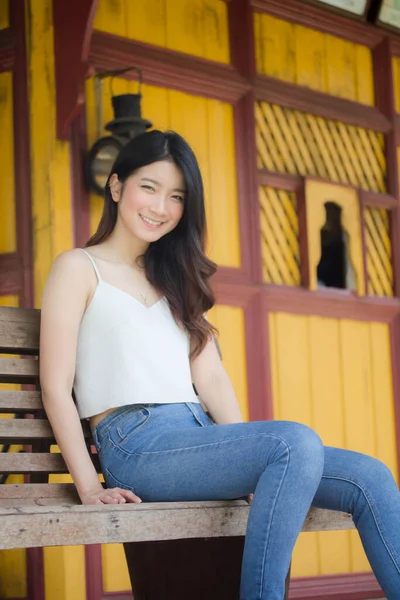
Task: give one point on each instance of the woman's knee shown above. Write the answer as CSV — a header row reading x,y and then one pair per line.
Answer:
x,y
304,445
372,473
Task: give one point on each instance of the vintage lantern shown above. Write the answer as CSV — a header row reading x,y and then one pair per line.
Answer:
x,y
127,124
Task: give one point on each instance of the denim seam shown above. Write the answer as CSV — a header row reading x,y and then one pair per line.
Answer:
x,y
371,506
114,418
161,452
268,533
192,410
120,484
127,437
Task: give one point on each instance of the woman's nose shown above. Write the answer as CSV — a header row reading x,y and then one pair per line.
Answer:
x,y
159,205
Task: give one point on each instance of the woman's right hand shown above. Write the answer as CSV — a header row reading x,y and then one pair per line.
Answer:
x,y
109,496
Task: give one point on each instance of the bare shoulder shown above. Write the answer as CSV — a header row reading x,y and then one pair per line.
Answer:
x,y
71,275
72,261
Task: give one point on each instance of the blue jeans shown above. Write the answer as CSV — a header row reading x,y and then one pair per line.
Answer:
x,y
174,452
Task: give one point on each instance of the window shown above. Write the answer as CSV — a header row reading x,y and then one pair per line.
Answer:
x,y
335,268
334,248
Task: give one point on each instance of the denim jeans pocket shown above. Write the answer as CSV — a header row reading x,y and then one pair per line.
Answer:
x,y
132,422
199,414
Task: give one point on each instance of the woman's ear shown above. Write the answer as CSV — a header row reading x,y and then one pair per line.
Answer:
x,y
115,187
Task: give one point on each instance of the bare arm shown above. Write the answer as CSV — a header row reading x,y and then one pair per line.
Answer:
x,y
66,294
214,386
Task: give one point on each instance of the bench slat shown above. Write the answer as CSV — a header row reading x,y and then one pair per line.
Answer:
x,y
21,502
15,401
24,463
14,431
19,330
30,526
17,370
35,491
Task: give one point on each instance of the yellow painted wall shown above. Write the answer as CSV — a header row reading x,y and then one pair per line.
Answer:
x,y
197,27
4,14
335,376
313,59
208,126
229,320
396,77
50,169
8,237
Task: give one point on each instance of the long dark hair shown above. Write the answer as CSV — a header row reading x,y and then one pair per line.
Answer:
x,y
176,264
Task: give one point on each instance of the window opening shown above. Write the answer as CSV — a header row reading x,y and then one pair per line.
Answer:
x,y
334,268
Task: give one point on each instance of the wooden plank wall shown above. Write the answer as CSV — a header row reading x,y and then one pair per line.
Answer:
x,y
334,375
313,59
50,164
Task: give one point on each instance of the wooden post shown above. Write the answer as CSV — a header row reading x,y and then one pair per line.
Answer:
x,y
181,569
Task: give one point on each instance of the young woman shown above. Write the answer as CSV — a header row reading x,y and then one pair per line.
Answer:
x,y
124,325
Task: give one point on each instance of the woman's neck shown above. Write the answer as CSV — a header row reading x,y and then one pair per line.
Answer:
x,y
127,251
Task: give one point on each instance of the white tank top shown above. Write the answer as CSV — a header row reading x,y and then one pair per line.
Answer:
x,y
128,353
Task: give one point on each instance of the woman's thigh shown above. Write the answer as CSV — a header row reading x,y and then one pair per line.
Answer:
x,y
189,458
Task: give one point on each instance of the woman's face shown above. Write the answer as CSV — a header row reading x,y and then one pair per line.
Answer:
x,y
151,202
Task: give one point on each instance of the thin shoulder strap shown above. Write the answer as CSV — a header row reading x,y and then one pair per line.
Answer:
x,y
93,263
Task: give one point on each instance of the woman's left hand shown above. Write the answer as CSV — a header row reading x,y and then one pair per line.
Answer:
x,y
250,498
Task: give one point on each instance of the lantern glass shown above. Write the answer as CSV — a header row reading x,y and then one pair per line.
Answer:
x,y
100,161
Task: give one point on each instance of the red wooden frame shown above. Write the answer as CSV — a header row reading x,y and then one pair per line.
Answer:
x,y
397,128
376,200
318,103
240,18
72,20
167,68
7,49
23,195
361,208
80,194
94,572
352,586
290,183
294,183
10,274
16,270
395,45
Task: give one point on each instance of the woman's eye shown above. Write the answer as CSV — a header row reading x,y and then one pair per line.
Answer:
x,y
179,198
148,187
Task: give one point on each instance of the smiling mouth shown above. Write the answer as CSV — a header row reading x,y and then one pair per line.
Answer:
x,y
150,221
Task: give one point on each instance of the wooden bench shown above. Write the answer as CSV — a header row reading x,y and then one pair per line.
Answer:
x,y
174,550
